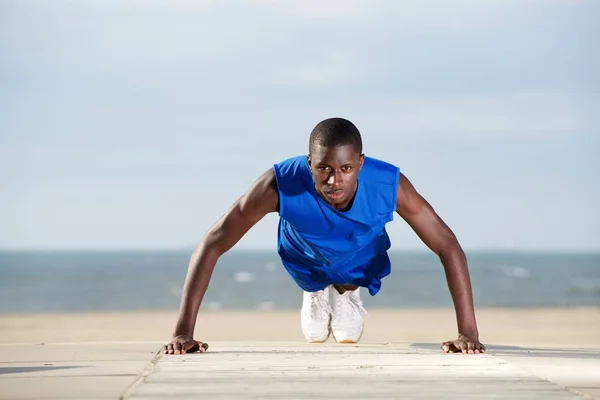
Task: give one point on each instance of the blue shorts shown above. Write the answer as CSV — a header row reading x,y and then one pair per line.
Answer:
x,y
314,278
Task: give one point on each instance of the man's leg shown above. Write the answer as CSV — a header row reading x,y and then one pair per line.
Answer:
x,y
344,288
347,322
315,315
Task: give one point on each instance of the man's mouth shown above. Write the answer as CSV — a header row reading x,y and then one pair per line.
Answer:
x,y
335,194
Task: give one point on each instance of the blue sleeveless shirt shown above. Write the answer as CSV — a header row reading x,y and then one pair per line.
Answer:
x,y
320,245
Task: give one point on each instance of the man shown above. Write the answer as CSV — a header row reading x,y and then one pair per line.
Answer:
x,y
333,206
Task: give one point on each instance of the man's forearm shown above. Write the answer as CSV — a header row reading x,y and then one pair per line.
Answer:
x,y
459,282
200,269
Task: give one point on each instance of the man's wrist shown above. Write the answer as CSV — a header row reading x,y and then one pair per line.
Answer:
x,y
183,331
471,334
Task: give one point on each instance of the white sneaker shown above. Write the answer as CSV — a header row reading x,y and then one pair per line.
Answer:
x,y
348,311
315,316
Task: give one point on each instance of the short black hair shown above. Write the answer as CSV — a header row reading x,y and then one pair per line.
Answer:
x,y
334,132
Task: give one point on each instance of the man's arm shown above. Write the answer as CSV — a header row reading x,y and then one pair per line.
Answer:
x,y
261,199
422,218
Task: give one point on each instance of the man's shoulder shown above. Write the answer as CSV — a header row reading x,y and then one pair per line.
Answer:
x,y
291,165
381,178
375,162
292,171
379,171
299,159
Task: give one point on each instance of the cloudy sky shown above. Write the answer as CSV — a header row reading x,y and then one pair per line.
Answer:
x,y
135,124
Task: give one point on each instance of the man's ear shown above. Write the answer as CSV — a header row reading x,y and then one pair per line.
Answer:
x,y
361,161
308,159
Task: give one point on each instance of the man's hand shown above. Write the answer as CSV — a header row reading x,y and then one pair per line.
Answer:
x,y
184,344
463,344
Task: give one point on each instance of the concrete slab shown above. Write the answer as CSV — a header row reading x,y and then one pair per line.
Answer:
x,y
71,370
77,351
277,370
576,369
298,371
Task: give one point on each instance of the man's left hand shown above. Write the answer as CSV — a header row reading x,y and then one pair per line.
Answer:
x,y
464,344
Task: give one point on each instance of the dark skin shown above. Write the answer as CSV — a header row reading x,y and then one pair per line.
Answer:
x,y
335,171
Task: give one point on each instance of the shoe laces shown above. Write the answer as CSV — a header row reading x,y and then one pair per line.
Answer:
x,y
348,305
319,305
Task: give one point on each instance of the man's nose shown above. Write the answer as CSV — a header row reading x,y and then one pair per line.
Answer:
x,y
335,179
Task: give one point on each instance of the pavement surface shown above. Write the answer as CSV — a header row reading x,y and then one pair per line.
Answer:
x,y
273,370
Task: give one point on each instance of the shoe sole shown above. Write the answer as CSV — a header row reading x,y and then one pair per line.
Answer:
x,y
347,341
317,341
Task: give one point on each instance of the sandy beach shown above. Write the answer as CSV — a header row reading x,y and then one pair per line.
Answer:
x,y
533,327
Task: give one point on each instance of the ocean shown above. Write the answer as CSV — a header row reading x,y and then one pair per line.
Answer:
x,y
87,281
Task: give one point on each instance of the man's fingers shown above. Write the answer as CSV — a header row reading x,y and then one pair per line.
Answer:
x,y
464,345
479,348
194,346
177,348
470,347
450,347
446,347
200,347
189,346
203,347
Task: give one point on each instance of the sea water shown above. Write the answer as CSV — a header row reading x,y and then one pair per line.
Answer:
x,y
39,282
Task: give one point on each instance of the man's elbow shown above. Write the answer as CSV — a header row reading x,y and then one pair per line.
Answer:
x,y
450,247
210,246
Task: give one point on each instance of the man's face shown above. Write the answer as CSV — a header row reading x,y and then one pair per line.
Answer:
x,y
335,172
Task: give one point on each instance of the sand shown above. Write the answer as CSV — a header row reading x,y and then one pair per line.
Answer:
x,y
567,327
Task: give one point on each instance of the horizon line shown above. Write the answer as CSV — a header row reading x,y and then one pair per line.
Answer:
x,y
274,250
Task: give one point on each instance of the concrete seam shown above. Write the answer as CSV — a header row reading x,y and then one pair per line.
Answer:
x,y
142,376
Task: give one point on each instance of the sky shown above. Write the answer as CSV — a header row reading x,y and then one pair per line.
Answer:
x,y
134,125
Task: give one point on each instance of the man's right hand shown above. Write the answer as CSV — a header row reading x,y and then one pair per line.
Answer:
x,y
184,344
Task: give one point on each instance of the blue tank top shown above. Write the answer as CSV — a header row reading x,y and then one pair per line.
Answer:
x,y
320,245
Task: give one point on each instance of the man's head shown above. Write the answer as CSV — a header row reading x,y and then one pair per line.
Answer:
x,y
335,159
